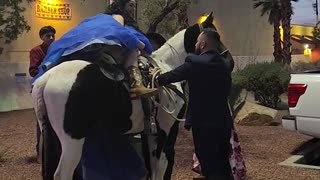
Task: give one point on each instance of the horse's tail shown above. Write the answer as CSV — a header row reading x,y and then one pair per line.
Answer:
x,y
50,148
38,99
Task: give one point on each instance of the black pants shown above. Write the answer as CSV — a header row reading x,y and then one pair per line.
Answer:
x,y
38,134
169,149
212,148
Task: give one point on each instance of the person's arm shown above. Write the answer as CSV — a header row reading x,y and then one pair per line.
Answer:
x,y
118,18
35,61
182,72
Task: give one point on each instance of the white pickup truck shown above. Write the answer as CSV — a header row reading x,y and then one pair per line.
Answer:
x,y
304,106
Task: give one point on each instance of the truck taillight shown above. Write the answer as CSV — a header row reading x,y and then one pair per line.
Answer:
x,y
294,93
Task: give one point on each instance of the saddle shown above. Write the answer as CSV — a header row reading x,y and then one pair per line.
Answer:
x,y
110,67
104,56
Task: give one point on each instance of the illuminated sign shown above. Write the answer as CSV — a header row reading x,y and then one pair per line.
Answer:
x,y
53,10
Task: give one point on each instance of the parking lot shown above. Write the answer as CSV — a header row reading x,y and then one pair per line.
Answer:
x,y
263,147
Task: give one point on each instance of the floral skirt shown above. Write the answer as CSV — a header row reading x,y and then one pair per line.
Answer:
x,y
236,159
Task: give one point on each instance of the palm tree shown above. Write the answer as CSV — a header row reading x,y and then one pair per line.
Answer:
x,y
286,14
272,8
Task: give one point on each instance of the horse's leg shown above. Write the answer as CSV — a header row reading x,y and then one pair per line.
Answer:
x,y
50,151
70,157
169,149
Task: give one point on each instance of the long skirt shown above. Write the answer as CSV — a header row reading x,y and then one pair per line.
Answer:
x,y
236,159
110,158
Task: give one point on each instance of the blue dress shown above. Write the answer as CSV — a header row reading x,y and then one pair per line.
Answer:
x,y
99,27
110,157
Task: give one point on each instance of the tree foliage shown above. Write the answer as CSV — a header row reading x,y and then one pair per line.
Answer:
x,y
164,16
280,12
316,35
286,13
12,22
273,9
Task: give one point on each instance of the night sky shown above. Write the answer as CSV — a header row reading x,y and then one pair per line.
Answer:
x,y
304,13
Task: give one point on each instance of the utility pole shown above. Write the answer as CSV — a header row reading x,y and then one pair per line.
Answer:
x,y
315,7
317,12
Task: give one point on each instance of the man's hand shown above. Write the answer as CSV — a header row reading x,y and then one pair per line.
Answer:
x,y
154,71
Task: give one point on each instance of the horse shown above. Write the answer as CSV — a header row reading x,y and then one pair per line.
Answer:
x,y
76,99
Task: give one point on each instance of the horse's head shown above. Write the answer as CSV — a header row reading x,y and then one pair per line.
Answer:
x,y
173,53
192,33
175,50
208,23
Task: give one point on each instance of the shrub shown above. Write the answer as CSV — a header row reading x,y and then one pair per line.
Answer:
x,y
267,80
301,66
237,86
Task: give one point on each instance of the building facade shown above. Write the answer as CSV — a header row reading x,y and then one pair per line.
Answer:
x,y
243,30
241,27
63,15
248,36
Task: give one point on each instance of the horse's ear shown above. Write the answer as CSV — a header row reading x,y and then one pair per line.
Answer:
x,y
208,22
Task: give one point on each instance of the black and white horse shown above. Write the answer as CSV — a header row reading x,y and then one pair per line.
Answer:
x,y
78,100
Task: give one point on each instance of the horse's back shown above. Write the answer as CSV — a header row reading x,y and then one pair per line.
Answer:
x,y
61,78
64,74
82,100
52,90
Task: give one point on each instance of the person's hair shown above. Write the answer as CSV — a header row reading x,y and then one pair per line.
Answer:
x,y
46,29
158,38
212,36
117,7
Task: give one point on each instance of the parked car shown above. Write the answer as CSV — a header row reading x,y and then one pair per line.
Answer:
x,y
304,104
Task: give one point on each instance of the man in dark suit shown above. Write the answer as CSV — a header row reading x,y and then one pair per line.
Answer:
x,y
209,78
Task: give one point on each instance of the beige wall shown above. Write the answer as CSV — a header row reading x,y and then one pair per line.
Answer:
x,y
18,51
241,27
302,30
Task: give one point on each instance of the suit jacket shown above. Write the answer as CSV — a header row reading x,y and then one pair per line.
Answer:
x,y
209,78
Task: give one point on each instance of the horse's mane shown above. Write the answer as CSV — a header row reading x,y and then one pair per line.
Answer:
x,y
172,53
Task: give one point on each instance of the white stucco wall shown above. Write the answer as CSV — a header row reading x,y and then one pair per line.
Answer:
x,y
245,33
16,95
18,51
241,27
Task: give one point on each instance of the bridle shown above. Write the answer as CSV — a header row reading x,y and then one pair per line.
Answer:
x,y
168,89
